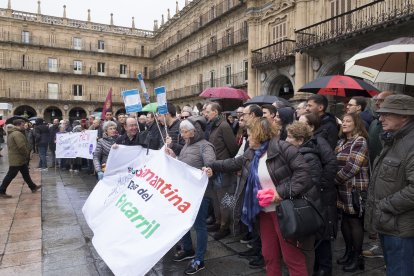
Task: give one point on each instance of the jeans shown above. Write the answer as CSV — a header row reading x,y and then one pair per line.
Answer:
x,y
11,174
42,156
201,231
398,255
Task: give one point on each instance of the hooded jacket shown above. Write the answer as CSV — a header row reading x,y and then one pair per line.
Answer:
x,y
330,126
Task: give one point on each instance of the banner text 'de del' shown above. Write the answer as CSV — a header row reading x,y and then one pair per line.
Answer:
x,y
142,207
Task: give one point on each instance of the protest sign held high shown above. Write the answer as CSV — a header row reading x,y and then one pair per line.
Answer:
x,y
76,144
142,207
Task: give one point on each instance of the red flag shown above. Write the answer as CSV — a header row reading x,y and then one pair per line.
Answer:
x,y
107,105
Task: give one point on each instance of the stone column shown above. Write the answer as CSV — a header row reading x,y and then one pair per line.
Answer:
x,y
254,33
300,58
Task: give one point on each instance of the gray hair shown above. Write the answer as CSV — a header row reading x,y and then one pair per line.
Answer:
x,y
108,124
187,125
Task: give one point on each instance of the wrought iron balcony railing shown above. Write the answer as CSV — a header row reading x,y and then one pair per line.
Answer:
x,y
68,44
38,66
234,80
357,21
274,53
212,48
205,19
86,95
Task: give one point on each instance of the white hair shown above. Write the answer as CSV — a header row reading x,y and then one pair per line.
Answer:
x,y
108,124
187,125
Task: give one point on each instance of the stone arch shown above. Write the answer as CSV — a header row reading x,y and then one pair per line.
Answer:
x,y
51,113
25,110
331,67
279,83
77,113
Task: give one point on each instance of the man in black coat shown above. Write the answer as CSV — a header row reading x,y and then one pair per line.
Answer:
x,y
52,144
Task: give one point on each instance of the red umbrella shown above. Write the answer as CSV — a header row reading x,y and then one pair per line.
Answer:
x,y
225,93
2,122
342,86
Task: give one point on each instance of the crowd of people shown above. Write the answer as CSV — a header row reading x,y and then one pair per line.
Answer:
x,y
357,170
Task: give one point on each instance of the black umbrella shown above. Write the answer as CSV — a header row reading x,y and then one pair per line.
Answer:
x,y
266,99
11,119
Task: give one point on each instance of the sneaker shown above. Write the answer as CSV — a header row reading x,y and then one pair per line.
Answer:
x,y
246,238
70,170
249,245
4,195
374,252
45,169
222,233
76,171
183,255
194,267
38,169
257,262
38,187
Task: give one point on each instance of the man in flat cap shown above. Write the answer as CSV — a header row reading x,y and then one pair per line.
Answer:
x,y
390,203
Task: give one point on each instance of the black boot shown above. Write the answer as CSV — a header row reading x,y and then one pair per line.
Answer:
x,y
357,262
346,258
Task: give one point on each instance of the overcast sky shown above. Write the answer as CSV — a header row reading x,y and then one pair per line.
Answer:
x,y
144,11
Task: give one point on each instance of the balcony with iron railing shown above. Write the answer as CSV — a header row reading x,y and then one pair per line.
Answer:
x,y
221,9
228,41
235,80
73,23
44,67
369,17
37,40
41,95
275,53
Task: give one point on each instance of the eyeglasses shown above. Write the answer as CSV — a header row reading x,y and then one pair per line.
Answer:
x,y
379,100
184,117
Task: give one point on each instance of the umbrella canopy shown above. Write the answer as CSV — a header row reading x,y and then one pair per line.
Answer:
x,y
11,119
266,99
389,62
225,93
151,107
33,119
342,86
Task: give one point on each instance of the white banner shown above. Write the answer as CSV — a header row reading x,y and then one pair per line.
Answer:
x,y
142,207
76,144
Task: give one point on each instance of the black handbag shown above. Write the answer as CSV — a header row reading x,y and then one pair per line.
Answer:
x,y
359,198
298,217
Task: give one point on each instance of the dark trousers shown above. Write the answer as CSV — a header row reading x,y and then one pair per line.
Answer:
x,y
11,174
323,255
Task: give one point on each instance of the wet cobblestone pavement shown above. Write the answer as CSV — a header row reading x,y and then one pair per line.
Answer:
x,y
46,234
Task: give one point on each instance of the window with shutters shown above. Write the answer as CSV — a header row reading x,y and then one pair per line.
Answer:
x,y
52,39
24,88
101,45
2,64
228,74
123,69
52,64
101,68
77,90
77,43
245,70
278,32
337,7
25,37
212,78
101,91
77,66
26,62
53,90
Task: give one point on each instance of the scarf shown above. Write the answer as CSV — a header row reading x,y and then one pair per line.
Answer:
x,y
251,205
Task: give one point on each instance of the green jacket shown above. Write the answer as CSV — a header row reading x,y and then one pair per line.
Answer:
x,y
390,203
18,147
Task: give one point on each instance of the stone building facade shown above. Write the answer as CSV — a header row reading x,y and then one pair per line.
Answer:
x,y
64,67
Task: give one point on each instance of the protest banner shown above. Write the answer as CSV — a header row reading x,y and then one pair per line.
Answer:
x,y
76,144
161,100
142,207
132,101
144,88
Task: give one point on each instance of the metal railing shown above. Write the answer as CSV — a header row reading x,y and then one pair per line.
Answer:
x,y
212,48
357,21
273,53
88,96
205,19
52,20
68,44
38,66
235,80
